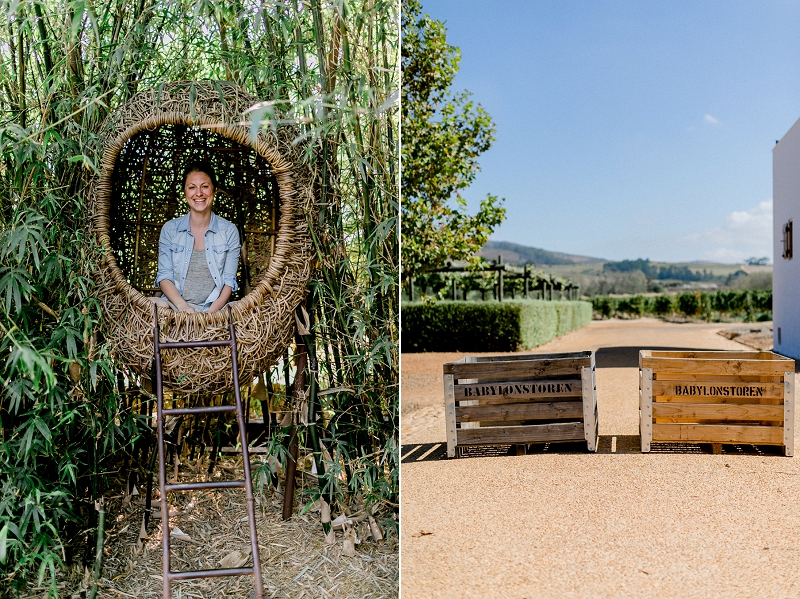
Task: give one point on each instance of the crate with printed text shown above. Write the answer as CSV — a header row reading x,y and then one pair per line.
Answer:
x,y
716,397
520,400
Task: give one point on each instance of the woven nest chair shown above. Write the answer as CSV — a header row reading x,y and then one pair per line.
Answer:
x,y
265,188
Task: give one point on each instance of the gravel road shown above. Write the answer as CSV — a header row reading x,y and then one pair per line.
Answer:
x,y
563,523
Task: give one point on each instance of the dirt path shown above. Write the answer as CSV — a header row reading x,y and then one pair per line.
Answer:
x,y
569,524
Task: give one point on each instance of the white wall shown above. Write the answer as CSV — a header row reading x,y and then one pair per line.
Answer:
x,y
786,273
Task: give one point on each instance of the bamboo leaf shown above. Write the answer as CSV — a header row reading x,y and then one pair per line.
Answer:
x,y
42,427
3,543
192,101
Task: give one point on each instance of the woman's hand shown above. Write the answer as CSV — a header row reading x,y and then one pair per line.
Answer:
x,y
220,302
171,292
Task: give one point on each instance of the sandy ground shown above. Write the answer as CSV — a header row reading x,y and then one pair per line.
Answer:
x,y
562,523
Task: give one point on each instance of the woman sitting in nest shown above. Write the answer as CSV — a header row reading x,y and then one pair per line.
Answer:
x,y
198,253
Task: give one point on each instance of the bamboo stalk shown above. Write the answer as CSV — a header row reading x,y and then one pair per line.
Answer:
x,y
100,506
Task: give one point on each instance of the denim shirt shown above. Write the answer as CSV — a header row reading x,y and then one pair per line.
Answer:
x,y
222,253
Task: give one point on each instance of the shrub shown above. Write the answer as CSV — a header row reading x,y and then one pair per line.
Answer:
x,y
762,300
690,303
632,306
488,326
724,300
605,306
542,321
663,305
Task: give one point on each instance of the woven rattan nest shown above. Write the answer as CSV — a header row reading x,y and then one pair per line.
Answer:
x,y
266,188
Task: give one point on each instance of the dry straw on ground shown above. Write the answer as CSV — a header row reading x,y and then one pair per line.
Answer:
x,y
296,560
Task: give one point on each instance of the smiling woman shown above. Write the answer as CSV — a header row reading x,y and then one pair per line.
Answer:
x,y
198,252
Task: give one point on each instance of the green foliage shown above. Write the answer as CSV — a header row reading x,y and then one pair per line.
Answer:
x,y
443,135
543,321
761,281
651,271
461,326
750,304
761,300
690,303
631,306
629,282
65,417
489,326
604,305
440,284
648,269
663,305
683,273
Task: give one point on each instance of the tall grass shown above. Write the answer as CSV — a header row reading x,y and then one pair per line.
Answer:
x,y
64,65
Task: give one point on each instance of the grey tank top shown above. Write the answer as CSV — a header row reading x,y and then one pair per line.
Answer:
x,y
199,282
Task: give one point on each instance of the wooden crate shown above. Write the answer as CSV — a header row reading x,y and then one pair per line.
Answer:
x,y
716,397
520,399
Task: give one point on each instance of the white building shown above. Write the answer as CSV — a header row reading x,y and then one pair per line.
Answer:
x,y
786,270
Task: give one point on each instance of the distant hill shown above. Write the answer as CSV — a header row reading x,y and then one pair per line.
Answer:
x,y
513,253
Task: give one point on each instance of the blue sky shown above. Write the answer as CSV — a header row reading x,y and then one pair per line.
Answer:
x,y
631,129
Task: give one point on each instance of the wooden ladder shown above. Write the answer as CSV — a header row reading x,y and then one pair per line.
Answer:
x,y
168,575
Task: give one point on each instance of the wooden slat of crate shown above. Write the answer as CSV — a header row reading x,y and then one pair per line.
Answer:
x,y
450,414
519,390
714,355
788,415
474,402
490,401
512,357
591,425
715,366
518,369
718,433
730,401
645,407
712,378
521,411
721,391
692,412
534,433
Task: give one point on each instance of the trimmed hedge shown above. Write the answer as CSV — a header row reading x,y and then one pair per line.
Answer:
x,y
488,326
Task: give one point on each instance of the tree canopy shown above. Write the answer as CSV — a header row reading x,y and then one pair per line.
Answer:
x,y
443,135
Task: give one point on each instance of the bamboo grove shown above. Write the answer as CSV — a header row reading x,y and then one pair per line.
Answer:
x,y
64,65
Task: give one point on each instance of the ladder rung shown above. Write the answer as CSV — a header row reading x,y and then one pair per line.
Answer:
x,y
210,573
187,344
227,484
205,410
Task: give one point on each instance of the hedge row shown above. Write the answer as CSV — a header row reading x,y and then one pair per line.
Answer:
x,y
488,326
689,303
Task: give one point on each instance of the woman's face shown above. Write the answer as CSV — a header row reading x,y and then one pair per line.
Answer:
x,y
199,192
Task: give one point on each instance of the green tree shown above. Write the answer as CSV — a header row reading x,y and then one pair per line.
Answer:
x,y
443,135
